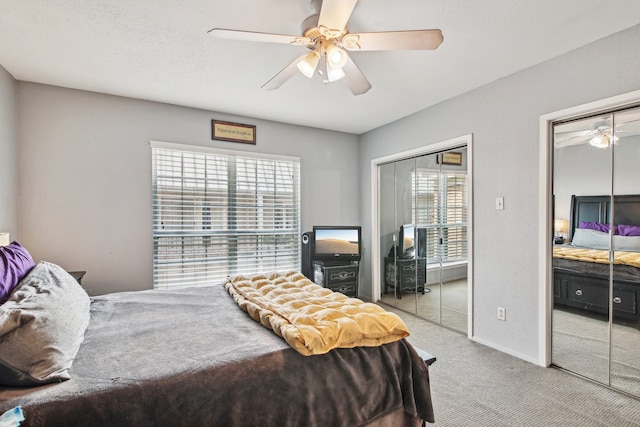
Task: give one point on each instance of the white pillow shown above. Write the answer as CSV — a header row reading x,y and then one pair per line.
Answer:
x,y
589,238
42,325
626,243
595,239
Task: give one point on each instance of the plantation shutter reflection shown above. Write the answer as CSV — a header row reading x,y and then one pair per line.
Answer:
x,y
216,214
440,205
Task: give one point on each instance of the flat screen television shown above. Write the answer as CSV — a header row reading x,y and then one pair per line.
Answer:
x,y
407,239
337,243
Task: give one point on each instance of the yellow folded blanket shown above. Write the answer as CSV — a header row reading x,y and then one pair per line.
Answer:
x,y
596,255
313,319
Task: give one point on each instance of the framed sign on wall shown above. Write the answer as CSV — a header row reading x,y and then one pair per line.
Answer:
x,y
452,158
233,132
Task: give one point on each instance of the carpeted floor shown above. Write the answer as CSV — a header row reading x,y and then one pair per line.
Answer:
x,y
581,345
446,304
474,385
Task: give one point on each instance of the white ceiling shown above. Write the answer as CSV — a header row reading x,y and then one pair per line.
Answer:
x,y
160,51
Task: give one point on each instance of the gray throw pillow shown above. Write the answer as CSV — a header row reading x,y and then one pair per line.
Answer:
x,y
42,325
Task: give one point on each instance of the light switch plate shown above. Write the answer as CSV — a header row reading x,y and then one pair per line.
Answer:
x,y
499,203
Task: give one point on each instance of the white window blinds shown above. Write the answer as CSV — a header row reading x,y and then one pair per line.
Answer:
x,y
217,214
440,204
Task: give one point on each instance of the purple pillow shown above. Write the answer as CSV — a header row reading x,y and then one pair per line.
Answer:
x,y
15,264
594,226
629,230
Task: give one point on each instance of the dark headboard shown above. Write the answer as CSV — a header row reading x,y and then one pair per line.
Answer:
x,y
596,209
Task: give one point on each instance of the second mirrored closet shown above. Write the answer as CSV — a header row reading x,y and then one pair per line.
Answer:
x,y
596,248
424,221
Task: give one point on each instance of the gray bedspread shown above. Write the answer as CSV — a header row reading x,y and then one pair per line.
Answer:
x,y
192,357
627,273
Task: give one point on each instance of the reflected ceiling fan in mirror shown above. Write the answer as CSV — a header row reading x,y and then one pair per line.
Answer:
x,y
326,34
599,137
603,139
596,130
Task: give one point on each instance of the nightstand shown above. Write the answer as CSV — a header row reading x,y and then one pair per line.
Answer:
x,y
78,275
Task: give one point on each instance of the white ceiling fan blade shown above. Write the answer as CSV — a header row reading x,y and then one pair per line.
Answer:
x,y
627,127
576,140
355,80
565,136
334,16
393,40
251,36
569,138
285,74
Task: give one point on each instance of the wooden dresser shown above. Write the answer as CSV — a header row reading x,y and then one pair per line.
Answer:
x,y
340,278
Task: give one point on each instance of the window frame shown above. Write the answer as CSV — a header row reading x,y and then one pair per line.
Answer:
x,y
209,228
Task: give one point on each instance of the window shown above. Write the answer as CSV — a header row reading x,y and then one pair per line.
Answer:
x,y
219,213
440,205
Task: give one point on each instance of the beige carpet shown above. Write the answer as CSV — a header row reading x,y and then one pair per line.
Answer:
x,y
581,345
473,385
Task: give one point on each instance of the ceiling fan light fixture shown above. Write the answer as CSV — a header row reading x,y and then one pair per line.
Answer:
x,y
597,141
308,64
335,74
336,57
603,141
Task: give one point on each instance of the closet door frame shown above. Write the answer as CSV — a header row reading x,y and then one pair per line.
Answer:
x,y
545,220
376,254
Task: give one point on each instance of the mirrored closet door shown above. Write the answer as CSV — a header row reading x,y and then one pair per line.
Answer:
x,y
625,297
596,248
423,213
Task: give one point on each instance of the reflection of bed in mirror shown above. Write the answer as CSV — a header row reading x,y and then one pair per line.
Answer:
x,y
581,268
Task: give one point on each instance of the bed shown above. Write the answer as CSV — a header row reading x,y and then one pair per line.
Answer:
x,y
582,267
195,357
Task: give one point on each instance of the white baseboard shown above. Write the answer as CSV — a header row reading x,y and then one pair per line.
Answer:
x,y
507,350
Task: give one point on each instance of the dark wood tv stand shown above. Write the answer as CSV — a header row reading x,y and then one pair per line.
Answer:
x,y
339,277
404,275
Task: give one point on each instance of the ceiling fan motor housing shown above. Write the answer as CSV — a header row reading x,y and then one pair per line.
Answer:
x,y
309,26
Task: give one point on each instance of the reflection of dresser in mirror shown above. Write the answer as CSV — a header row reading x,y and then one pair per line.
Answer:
x,y
405,268
405,275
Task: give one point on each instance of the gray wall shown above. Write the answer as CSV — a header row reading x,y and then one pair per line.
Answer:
x,y
85,177
504,119
8,155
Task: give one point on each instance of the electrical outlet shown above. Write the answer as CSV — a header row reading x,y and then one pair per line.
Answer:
x,y
502,313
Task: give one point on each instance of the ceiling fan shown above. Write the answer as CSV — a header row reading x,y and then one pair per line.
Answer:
x,y
599,136
326,34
